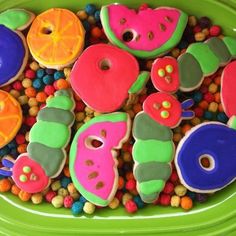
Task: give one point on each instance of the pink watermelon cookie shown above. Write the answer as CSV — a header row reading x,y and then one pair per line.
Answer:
x,y
94,169
105,75
147,33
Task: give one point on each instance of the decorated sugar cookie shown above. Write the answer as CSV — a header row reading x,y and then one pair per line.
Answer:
x,y
16,19
10,118
94,168
206,157
26,173
165,109
153,152
165,74
48,138
106,70
188,71
147,33
228,88
56,38
13,55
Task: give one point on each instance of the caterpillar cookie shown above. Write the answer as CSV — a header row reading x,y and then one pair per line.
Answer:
x,y
56,38
10,118
188,71
147,33
153,152
165,109
46,153
94,168
13,48
228,88
206,157
105,75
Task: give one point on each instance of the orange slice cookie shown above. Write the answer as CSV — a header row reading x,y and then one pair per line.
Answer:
x,y
10,118
56,38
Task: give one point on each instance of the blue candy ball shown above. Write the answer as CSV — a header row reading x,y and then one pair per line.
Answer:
x,y
38,84
14,152
48,79
77,208
139,202
97,15
90,9
12,144
82,199
208,115
197,97
65,181
40,73
58,75
86,25
222,117
4,151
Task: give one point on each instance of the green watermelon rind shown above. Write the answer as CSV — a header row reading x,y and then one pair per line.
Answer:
x,y
113,117
172,42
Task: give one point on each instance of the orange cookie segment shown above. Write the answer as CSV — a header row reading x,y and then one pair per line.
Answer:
x,y
10,118
56,38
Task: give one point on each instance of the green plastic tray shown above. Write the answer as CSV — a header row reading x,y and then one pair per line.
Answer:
x,y
215,217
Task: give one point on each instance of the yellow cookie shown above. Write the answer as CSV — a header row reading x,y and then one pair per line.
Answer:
x,y
56,38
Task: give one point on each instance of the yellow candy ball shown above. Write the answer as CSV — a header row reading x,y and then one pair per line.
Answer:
x,y
58,201
114,203
79,116
180,190
33,111
175,201
26,83
34,66
32,102
37,198
213,107
89,208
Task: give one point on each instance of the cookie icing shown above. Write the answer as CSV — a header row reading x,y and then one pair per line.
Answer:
x,y
16,19
228,88
152,156
10,117
12,54
56,38
48,139
94,169
107,70
166,110
149,38
215,142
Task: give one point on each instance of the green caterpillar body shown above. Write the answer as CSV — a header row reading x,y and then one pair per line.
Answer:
x,y
51,133
202,59
153,152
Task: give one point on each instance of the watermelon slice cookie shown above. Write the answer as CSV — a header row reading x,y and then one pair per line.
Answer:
x,y
93,167
147,33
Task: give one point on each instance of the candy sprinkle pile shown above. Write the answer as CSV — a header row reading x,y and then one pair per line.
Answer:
x,y
37,85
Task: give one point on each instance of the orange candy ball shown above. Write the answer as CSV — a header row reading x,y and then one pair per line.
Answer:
x,y
62,84
24,196
5,185
41,97
30,92
186,203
